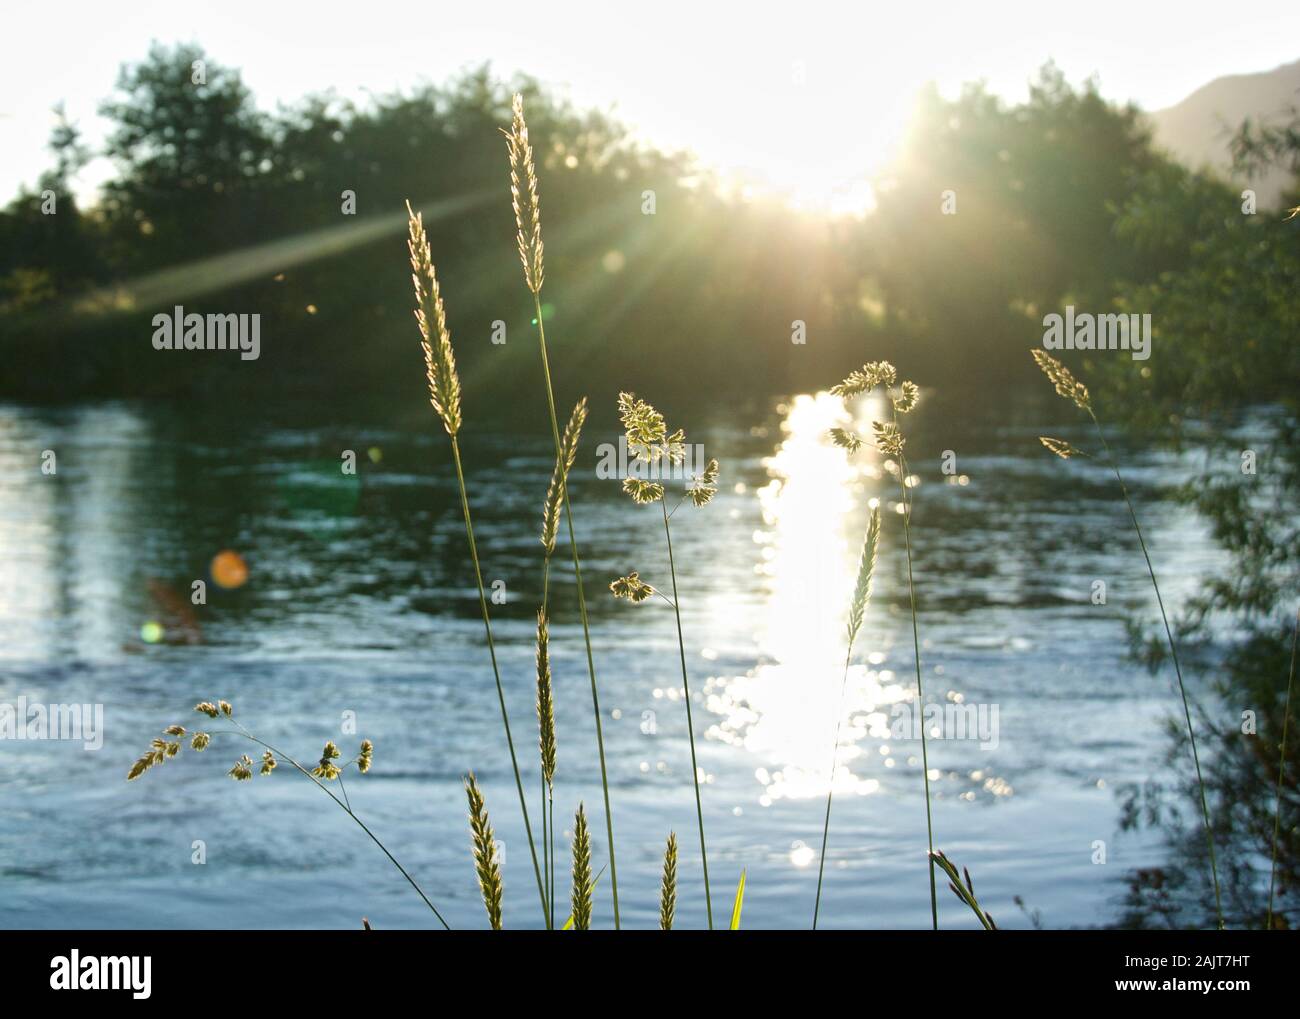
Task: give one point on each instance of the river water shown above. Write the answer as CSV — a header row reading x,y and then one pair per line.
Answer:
x,y
359,603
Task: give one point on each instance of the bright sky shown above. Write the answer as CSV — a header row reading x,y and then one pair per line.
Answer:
x,y
801,97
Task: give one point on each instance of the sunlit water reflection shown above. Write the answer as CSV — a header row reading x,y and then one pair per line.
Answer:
x,y
358,599
786,709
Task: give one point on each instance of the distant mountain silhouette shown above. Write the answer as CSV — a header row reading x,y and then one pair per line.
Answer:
x,y
1197,130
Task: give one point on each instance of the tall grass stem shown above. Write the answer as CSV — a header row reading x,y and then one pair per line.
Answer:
x,y
582,605
496,672
1281,769
830,791
920,692
1173,653
348,810
690,724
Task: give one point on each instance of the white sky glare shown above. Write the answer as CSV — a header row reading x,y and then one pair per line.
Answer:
x,y
802,97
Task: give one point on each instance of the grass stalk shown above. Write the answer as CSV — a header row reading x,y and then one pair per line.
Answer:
x,y
546,866
582,608
830,791
154,757
527,208
964,888
1281,770
1173,653
668,886
496,672
550,811
444,395
857,608
889,441
690,724
920,691
546,746
582,882
1070,388
486,866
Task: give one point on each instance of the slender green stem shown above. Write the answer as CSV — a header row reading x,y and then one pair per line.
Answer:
x,y
550,809
690,724
492,652
1281,768
920,692
347,810
582,605
830,790
546,866
1173,652
548,844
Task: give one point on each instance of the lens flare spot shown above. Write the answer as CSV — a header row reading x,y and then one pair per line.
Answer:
x,y
229,570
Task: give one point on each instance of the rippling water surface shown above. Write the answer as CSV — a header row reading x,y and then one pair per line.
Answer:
x,y
360,599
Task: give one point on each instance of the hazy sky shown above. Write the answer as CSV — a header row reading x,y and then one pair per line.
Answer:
x,y
802,96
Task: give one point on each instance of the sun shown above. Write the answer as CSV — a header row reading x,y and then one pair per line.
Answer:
x,y
813,144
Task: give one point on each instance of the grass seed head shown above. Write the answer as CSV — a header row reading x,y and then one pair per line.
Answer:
x,y
431,315
646,432
545,701
524,197
848,440
866,378
631,587
143,763
582,882
560,475
889,440
326,768
643,492
1058,446
866,569
705,487
485,858
906,397
1066,384
668,889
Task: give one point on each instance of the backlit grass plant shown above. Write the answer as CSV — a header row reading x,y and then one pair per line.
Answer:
x,y
545,694
649,441
444,394
1070,388
857,610
890,441
327,769
526,200
486,864
964,888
